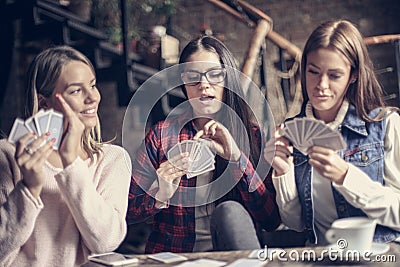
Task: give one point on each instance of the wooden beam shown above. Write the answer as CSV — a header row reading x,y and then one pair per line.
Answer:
x,y
285,44
254,11
232,12
276,38
260,32
380,39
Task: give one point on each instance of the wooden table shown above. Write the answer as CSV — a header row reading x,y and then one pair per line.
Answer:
x,y
392,258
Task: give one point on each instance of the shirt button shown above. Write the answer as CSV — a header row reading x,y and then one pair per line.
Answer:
x,y
364,157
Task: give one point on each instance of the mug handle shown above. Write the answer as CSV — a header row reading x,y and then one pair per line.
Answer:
x,y
330,236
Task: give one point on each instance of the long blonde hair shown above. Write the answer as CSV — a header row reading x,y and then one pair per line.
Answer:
x,y
43,74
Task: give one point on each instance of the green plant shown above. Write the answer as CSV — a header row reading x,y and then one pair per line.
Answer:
x,y
142,14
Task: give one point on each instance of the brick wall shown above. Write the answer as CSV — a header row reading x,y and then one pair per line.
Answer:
x,y
293,19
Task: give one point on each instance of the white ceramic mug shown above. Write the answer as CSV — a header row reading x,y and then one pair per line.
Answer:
x,y
353,233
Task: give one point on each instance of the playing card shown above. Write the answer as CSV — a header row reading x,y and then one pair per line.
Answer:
x,y
17,131
184,147
309,126
202,263
205,158
191,147
55,128
201,158
246,262
42,121
295,131
179,148
334,142
300,130
30,124
167,257
287,132
174,151
305,132
195,152
202,166
320,129
193,174
292,128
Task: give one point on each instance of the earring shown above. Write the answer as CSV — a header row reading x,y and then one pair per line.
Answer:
x,y
353,81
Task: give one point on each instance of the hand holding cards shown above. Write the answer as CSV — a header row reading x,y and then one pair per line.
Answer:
x,y
305,132
41,123
201,158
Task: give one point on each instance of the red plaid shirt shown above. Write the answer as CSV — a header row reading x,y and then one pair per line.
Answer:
x,y
174,226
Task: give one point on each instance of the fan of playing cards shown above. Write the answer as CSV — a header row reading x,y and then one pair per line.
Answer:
x,y
41,123
201,158
306,132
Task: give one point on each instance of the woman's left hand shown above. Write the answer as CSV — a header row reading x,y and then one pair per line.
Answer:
x,y
219,140
70,146
328,163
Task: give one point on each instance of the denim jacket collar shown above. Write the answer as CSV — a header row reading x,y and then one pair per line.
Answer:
x,y
354,123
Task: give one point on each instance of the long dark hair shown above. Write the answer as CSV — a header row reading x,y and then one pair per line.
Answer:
x,y
233,95
242,131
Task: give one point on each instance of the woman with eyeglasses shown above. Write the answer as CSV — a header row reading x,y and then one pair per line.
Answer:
x,y
181,207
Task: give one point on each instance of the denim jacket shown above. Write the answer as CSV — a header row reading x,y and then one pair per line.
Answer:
x,y
365,149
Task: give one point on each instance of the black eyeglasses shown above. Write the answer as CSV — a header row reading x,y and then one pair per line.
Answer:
x,y
213,76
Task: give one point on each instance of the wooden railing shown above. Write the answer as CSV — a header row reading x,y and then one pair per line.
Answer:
x,y
46,20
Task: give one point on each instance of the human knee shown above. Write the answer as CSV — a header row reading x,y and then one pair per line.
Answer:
x,y
228,210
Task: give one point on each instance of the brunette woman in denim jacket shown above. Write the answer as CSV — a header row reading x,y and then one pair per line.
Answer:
x,y
340,88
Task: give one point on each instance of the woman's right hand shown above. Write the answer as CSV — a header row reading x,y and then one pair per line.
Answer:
x,y
30,159
278,153
169,175
70,146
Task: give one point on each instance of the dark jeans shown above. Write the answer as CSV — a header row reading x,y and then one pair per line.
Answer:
x,y
232,228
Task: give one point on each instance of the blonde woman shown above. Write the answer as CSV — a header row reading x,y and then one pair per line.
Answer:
x,y
57,206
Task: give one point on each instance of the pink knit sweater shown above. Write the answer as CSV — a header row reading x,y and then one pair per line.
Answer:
x,y
82,210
